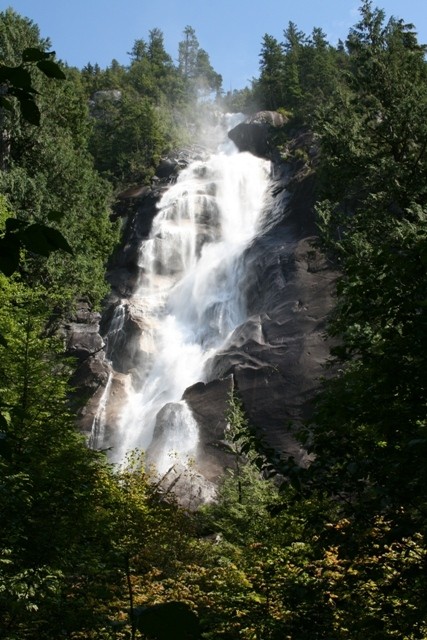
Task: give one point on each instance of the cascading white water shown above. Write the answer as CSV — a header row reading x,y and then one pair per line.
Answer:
x,y
97,433
115,336
189,295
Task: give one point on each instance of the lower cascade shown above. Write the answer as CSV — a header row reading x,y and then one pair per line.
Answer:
x,y
188,300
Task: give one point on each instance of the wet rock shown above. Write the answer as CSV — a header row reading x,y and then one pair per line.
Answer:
x,y
277,357
167,168
83,341
85,344
81,332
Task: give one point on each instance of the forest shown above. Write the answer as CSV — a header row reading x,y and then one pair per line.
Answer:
x,y
334,551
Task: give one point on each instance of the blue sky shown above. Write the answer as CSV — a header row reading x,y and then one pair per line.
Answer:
x,y
230,31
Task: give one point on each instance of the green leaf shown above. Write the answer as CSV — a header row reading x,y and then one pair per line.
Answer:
x,y
3,343
246,447
22,94
17,76
30,111
13,224
5,103
31,54
42,240
51,69
57,240
9,254
34,239
55,216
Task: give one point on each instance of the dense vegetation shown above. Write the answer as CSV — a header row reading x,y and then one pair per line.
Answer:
x,y
336,551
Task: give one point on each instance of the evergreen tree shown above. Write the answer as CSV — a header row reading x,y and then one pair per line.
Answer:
x,y
371,431
270,85
187,53
195,67
293,46
139,50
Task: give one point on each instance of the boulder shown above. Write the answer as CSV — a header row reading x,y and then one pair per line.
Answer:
x,y
81,332
83,340
255,134
167,168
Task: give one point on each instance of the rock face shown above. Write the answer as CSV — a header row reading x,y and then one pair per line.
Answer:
x,y
84,343
138,206
276,358
255,133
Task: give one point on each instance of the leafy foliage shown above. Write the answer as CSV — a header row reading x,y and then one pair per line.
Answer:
x,y
363,497
16,82
48,178
381,246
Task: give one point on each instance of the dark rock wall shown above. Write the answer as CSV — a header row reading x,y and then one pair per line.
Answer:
x,y
277,358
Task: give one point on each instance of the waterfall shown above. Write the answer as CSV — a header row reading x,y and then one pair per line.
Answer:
x,y
97,432
188,297
114,340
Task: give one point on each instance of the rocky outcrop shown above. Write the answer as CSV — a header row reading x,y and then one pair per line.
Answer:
x,y
83,342
277,356
256,133
81,332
